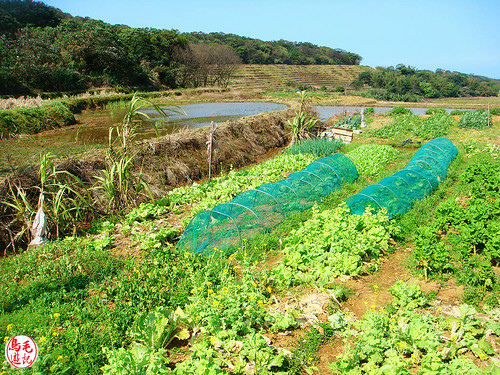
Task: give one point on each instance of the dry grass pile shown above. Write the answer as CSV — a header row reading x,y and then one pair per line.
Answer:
x,y
182,157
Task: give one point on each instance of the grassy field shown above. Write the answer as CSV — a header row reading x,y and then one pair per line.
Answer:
x,y
324,292
278,77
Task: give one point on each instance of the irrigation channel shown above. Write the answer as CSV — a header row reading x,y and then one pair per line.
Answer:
x,y
327,111
97,123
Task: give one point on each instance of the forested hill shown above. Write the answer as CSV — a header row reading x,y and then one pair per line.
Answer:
x,y
44,49
256,51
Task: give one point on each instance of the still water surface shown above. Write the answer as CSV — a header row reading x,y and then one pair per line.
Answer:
x,y
188,116
327,111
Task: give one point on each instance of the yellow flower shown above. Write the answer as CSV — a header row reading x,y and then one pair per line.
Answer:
x,y
373,307
260,302
269,289
215,303
43,339
375,287
212,339
200,288
209,283
256,262
54,333
6,338
238,286
225,271
60,357
57,315
193,291
210,291
252,298
254,285
9,327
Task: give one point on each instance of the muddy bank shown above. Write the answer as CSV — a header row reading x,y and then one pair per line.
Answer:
x,y
182,158
164,163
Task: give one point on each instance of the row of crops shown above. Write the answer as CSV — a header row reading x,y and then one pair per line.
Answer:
x,y
168,310
262,208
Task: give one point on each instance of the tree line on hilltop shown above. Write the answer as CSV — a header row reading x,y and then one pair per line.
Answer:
x,y
45,49
406,83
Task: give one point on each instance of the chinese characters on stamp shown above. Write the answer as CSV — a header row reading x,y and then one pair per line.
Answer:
x,y
21,351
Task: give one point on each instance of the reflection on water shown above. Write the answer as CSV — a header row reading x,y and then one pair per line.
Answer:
x,y
327,111
190,116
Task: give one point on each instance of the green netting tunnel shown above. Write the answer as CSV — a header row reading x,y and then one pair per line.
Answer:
x,y
420,177
259,210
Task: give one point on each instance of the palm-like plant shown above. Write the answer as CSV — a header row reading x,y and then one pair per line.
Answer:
x,y
303,122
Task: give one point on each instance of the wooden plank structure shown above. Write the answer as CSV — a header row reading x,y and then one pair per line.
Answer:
x,y
337,133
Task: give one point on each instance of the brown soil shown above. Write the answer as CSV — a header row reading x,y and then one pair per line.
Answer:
x,y
371,292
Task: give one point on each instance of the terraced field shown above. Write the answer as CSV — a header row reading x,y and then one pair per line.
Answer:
x,y
276,77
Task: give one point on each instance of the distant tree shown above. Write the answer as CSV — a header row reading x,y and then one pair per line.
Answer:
x,y
16,14
203,64
408,83
365,77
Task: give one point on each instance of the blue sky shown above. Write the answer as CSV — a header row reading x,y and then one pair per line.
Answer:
x,y
455,35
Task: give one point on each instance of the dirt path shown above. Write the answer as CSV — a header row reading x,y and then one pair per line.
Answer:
x,y
372,292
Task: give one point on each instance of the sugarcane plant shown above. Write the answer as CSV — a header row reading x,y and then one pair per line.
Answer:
x,y
118,184
63,202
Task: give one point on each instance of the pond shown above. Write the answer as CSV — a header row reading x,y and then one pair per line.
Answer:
x,y
97,123
327,111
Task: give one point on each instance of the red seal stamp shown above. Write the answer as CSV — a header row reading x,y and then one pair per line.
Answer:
x,y
21,351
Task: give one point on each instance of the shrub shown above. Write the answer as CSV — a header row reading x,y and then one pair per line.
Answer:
x,y
475,120
349,122
34,120
396,111
315,146
458,112
436,111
